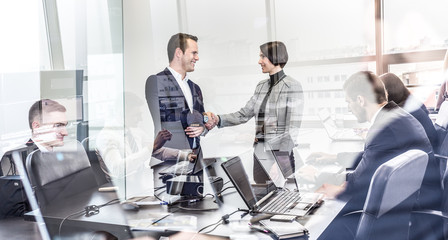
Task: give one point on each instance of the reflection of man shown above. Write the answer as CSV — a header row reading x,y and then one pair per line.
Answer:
x,y
170,93
47,121
388,137
48,124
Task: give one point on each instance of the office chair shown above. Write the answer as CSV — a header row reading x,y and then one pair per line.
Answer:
x,y
99,168
443,213
60,174
392,194
442,156
441,125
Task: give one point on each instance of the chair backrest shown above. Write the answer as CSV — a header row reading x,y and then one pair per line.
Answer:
x,y
391,197
441,125
442,116
99,168
442,156
60,174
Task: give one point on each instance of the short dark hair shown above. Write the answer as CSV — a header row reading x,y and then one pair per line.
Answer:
x,y
43,106
178,40
276,52
367,84
396,90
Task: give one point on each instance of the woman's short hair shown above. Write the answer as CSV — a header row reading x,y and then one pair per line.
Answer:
x,y
276,52
396,90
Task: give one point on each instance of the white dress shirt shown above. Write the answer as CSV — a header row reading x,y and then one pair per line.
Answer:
x,y
183,83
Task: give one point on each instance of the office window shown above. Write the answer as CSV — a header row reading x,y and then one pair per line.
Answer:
x,y
326,89
411,25
423,79
233,32
20,61
340,29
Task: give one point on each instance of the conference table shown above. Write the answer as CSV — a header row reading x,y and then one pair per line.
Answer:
x,y
60,218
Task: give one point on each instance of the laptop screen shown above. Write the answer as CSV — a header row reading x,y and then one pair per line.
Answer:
x,y
237,175
200,162
283,142
327,121
284,162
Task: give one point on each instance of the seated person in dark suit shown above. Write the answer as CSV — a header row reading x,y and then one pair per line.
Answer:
x,y
393,131
47,122
397,92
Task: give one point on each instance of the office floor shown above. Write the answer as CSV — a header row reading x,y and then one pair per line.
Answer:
x,y
17,228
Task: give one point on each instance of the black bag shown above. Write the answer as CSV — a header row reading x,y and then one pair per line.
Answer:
x,y
13,201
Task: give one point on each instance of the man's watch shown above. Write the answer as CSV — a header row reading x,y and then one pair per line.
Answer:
x,y
205,117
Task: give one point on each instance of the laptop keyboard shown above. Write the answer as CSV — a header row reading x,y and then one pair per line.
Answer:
x,y
282,202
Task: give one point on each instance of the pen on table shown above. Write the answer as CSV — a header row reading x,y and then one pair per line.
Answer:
x,y
257,228
160,219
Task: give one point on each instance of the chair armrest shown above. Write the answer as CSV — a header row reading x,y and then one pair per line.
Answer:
x,y
431,212
354,212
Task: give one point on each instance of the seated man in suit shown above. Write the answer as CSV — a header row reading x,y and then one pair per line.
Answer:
x,y
47,121
393,131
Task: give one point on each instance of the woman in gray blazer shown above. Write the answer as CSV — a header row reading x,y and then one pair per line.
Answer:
x,y
277,105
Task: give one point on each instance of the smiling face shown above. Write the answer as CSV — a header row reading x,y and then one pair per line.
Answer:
x,y
266,65
190,56
52,130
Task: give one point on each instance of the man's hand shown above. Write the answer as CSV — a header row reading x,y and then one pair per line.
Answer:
x,y
321,157
194,131
192,157
308,172
161,138
330,190
213,120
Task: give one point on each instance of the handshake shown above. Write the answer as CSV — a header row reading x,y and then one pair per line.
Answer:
x,y
213,120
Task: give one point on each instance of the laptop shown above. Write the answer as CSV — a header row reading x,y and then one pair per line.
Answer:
x,y
282,149
276,201
288,162
187,167
335,133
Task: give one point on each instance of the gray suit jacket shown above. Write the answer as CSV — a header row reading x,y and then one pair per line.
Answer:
x,y
283,109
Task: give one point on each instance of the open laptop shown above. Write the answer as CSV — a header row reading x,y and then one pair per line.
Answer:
x,y
288,163
335,133
282,149
276,201
188,168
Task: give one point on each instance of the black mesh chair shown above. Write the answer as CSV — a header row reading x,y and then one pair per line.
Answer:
x,y
441,214
58,175
392,195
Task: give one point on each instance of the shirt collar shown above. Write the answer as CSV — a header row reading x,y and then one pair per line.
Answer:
x,y
376,115
41,148
177,75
